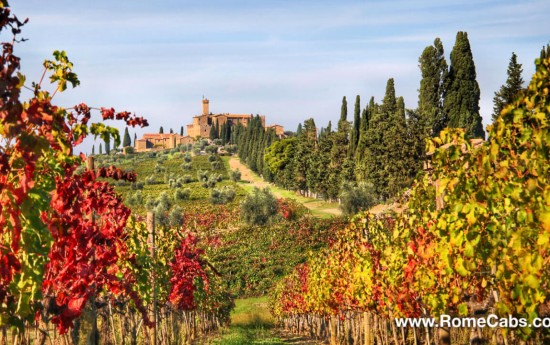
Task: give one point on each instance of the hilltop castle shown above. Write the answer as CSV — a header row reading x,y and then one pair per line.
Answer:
x,y
203,123
200,128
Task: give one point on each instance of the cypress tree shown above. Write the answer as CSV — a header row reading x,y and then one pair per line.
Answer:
x,y
434,71
389,104
171,131
135,138
400,107
508,91
355,129
212,135
93,149
161,130
181,131
299,130
461,103
126,141
344,110
100,149
362,143
107,145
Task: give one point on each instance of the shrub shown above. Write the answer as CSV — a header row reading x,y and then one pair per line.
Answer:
x,y
202,176
230,148
197,151
136,185
150,204
136,198
218,142
151,180
212,180
176,217
186,166
159,168
212,158
235,175
357,197
187,158
164,201
212,149
186,178
182,194
259,207
222,195
217,165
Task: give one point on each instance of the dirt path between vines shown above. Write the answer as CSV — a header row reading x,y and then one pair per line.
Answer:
x,y
316,206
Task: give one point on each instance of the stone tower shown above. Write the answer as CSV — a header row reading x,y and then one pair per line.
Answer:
x,y
205,106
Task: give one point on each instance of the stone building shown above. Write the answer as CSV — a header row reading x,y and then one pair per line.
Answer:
x,y
161,142
203,123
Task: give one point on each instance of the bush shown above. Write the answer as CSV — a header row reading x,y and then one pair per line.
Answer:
x,y
164,201
186,179
187,166
222,195
187,158
136,185
235,175
175,218
230,148
136,199
182,194
197,151
159,168
259,207
217,165
212,158
151,180
202,176
357,197
212,149
218,142
212,180
150,204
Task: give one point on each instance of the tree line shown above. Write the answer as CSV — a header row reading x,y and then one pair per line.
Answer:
x,y
382,148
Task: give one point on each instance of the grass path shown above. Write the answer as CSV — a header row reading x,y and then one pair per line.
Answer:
x,y
321,209
252,324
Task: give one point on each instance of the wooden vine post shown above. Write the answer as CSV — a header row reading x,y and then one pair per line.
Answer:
x,y
151,240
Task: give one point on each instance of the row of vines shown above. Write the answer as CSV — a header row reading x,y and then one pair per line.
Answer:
x,y
473,241
75,265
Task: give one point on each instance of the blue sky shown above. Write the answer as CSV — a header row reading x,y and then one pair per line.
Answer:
x,y
289,60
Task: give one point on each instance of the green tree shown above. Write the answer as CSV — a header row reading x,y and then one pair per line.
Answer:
x,y
344,110
135,138
181,131
279,158
259,207
461,103
507,92
161,130
434,70
93,149
126,141
356,127
299,129
356,197
306,144
389,104
100,149
171,131
107,145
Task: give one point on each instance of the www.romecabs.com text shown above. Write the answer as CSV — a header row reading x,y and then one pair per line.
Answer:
x,y
491,321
